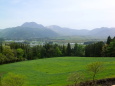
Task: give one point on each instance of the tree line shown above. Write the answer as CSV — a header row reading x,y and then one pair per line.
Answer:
x,y
13,52
101,49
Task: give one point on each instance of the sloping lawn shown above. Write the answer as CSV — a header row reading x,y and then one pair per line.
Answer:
x,y
54,71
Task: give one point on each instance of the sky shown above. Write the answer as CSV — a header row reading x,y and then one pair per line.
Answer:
x,y
75,14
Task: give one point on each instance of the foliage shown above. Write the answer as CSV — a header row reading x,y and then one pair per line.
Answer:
x,y
8,54
63,50
100,49
95,68
13,80
94,50
2,58
68,50
109,50
76,77
78,50
20,53
13,52
108,40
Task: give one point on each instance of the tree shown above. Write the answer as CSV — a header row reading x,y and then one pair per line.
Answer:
x,y
2,58
1,47
8,52
90,50
104,50
29,54
63,50
94,50
108,40
108,50
94,68
68,50
78,50
111,49
43,52
98,49
48,49
58,51
20,53
36,51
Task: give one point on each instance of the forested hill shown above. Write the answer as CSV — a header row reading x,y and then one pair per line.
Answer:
x,y
28,30
34,30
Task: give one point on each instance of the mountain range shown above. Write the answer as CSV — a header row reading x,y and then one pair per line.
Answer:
x,y
27,30
34,30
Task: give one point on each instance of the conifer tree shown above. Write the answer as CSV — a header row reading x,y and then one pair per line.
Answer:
x,y
68,50
108,40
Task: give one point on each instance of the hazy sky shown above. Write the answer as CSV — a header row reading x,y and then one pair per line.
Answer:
x,y
76,14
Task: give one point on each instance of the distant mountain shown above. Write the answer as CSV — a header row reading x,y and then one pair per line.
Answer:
x,y
34,30
102,32
98,32
67,31
32,25
27,30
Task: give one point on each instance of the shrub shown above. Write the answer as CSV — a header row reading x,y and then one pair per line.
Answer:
x,y
13,80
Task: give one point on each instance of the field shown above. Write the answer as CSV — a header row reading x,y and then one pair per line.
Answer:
x,y
54,71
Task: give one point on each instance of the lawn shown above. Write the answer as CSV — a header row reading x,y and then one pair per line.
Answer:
x,y
54,71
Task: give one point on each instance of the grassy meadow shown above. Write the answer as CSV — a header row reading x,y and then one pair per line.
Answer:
x,y
54,71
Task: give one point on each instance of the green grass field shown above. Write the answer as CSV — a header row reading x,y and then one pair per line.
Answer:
x,y
54,71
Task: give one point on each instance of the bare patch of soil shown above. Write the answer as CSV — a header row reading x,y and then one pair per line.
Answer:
x,y
101,82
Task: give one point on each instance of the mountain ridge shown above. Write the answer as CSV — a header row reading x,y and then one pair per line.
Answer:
x,y
99,32
27,30
32,25
34,30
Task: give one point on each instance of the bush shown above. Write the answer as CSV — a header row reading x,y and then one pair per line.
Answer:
x,y
76,77
13,80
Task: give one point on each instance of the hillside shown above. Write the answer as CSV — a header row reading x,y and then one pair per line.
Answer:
x,y
55,71
68,31
34,30
28,30
103,32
